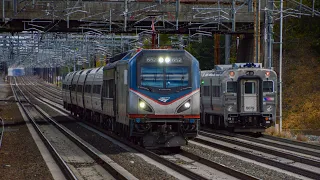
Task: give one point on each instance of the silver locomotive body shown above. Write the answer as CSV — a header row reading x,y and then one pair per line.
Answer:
x,y
241,97
151,96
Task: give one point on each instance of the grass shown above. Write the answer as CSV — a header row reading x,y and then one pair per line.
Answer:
x,y
286,134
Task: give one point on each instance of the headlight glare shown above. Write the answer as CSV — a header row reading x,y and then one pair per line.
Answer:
x,y
167,59
142,104
161,60
184,106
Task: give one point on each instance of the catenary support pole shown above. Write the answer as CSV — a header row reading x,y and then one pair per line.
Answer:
x,y
280,62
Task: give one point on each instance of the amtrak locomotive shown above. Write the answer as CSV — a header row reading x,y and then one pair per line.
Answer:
x,y
241,97
149,96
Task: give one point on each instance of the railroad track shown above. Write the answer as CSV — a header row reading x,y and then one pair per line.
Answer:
x,y
40,92
162,160
43,124
300,159
53,93
289,145
1,131
299,164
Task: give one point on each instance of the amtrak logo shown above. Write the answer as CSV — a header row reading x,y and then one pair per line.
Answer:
x,y
164,99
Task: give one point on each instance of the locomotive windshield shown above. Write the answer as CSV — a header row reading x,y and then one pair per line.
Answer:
x,y
164,77
164,71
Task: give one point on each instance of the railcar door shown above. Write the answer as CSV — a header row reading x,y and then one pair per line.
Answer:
x,y
249,95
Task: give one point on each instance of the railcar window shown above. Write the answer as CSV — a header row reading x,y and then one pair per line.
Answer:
x,y
206,91
250,87
215,91
88,89
232,87
79,88
105,89
111,88
96,89
108,88
267,86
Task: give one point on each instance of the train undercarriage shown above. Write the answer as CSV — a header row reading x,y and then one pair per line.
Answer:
x,y
149,133
237,123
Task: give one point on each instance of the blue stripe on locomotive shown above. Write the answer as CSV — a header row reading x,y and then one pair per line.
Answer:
x,y
155,96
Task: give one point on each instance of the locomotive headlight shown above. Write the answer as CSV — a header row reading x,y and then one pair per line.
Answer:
x,y
187,105
142,105
269,108
230,108
167,59
184,106
161,60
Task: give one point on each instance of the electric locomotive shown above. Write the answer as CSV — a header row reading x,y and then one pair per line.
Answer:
x,y
241,97
149,96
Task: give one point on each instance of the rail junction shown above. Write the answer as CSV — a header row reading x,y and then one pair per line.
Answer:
x,y
48,39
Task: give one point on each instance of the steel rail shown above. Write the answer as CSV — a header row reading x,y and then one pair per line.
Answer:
x,y
263,149
56,92
84,147
59,101
293,142
53,94
283,166
63,166
219,167
146,152
50,88
282,146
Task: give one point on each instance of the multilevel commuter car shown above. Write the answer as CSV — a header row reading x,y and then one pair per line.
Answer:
x,y
241,97
149,96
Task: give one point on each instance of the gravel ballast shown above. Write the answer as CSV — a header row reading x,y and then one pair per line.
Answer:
x,y
128,160
20,157
237,164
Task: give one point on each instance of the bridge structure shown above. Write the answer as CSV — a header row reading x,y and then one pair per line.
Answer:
x,y
73,31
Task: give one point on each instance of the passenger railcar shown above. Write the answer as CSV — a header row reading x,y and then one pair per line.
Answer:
x,y
149,96
241,97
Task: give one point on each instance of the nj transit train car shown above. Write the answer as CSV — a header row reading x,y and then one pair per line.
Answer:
x,y
149,96
241,97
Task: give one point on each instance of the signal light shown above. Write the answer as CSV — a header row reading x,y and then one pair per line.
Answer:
x,y
231,73
267,74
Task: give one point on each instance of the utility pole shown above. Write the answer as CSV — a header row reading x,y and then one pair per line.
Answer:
x,y
3,12
280,62
256,14
177,13
125,14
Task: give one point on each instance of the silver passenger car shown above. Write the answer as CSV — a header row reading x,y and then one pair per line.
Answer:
x,y
241,97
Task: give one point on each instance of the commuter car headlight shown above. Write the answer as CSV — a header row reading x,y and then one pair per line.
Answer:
x,y
144,106
184,106
230,108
